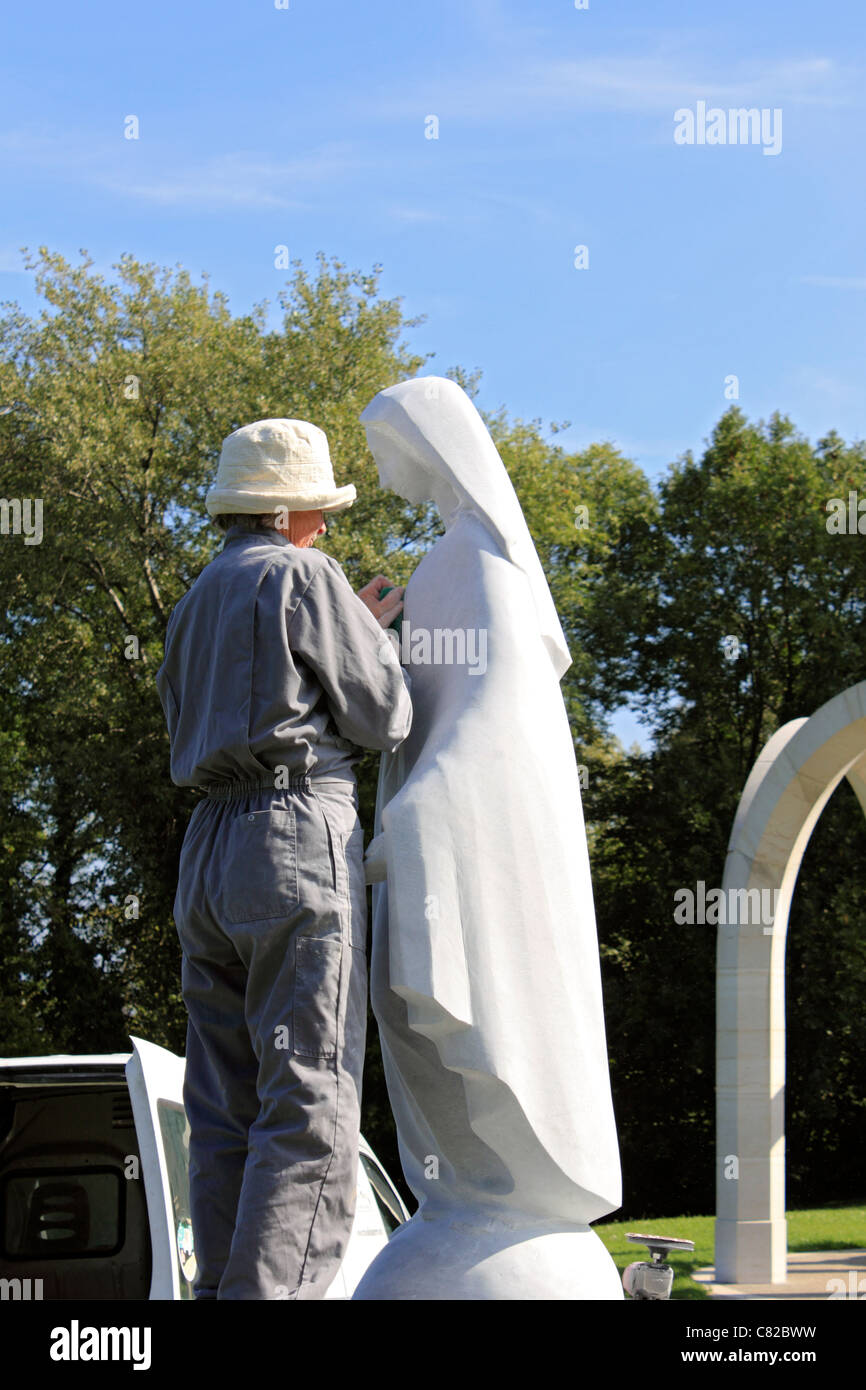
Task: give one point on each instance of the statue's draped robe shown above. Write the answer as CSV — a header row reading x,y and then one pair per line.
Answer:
x,y
485,973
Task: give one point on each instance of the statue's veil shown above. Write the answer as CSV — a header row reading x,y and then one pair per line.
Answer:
x,y
433,421
489,1007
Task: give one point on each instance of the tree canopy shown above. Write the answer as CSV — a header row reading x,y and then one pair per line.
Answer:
x,y
719,603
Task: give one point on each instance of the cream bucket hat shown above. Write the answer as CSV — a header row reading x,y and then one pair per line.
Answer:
x,y
276,463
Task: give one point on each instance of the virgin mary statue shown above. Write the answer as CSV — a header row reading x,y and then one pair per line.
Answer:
x,y
485,975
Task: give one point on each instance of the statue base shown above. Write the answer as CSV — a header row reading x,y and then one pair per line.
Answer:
x,y
476,1256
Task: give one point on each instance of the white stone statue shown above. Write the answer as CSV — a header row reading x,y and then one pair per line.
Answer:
x,y
485,976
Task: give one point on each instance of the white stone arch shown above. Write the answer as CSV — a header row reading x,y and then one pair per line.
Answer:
x,y
788,788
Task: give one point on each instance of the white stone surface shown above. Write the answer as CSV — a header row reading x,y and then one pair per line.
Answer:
x,y
458,1256
485,976
786,791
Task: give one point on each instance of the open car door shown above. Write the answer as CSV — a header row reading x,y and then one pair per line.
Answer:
x,y
155,1079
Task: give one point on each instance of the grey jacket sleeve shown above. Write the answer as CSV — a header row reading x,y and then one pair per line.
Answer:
x,y
335,633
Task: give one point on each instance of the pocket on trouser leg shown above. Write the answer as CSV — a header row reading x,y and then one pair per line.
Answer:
x,y
353,850
316,998
346,847
255,866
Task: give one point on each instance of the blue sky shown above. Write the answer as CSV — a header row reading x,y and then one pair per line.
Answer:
x,y
305,126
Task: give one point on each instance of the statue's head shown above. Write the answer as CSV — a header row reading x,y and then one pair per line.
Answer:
x,y
431,444
413,429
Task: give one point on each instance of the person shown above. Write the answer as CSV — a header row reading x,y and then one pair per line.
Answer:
x,y
275,675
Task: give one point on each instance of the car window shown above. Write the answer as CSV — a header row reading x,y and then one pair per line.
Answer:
x,y
386,1198
174,1128
69,1213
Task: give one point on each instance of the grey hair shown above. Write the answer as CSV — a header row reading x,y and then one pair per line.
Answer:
x,y
249,521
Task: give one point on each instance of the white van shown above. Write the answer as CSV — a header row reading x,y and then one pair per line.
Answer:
x,y
94,1182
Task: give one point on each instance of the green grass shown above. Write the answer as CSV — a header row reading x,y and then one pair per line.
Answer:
x,y
826,1228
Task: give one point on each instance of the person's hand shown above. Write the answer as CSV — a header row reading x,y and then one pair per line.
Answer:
x,y
386,609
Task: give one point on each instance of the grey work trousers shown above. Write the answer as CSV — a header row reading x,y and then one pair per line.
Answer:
x,y
272,918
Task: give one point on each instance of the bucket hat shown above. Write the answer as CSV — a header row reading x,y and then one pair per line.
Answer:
x,y
276,463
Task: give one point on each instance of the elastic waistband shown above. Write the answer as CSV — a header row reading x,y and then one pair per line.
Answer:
x,y
225,791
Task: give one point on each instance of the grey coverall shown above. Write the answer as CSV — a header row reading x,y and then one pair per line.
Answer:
x,y
275,673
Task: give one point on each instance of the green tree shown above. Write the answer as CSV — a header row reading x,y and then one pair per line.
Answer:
x,y
732,612
720,603
114,401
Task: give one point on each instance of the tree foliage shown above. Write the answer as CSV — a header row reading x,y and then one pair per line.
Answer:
x,y
730,613
719,603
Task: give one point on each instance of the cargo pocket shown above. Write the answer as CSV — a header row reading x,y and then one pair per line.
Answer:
x,y
259,871
353,852
315,1004
346,850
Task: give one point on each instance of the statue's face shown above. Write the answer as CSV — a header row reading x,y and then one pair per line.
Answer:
x,y
398,472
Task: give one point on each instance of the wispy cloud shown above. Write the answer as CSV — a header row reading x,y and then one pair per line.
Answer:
x,y
836,282
534,89
240,178
831,390
501,25
404,214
